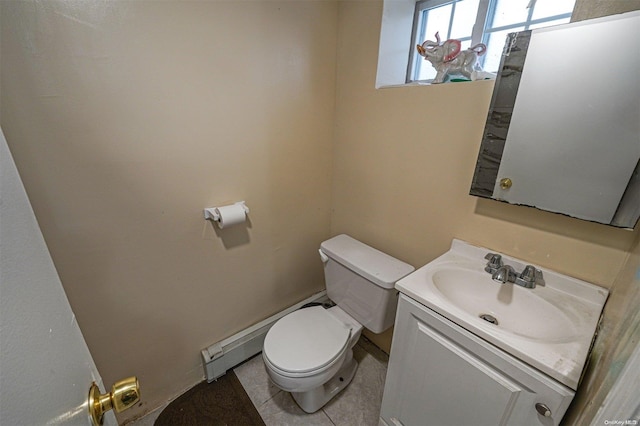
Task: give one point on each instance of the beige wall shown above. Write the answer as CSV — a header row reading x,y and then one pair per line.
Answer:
x,y
126,119
403,163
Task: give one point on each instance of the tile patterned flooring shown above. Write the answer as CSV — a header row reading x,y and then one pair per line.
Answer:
x,y
357,405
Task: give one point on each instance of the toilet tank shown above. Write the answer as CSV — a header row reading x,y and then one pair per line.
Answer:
x,y
361,279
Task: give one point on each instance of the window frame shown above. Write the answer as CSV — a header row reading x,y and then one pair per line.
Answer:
x,y
480,32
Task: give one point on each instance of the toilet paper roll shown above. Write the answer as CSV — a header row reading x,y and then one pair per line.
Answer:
x,y
230,215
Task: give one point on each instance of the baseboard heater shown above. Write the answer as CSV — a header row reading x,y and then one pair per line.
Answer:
x,y
227,353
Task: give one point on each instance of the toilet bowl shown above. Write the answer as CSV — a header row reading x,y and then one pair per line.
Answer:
x,y
306,349
309,352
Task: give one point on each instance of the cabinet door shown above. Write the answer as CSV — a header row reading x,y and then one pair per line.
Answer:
x,y
434,378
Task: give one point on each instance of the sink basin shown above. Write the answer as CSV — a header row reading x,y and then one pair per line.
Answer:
x,y
515,309
550,327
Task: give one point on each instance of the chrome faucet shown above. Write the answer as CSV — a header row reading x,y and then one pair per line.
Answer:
x,y
529,278
504,274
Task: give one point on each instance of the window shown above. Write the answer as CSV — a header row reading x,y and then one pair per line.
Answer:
x,y
479,21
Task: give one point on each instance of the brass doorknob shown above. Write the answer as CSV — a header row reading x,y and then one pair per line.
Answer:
x,y
123,395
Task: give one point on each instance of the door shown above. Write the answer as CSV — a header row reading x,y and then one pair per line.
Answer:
x,y
572,148
443,383
440,374
45,366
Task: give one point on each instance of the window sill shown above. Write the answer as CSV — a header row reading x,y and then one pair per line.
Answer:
x,y
491,77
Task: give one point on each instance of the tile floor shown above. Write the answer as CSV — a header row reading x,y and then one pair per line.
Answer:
x,y
357,405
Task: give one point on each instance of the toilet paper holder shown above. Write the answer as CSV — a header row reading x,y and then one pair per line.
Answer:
x,y
212,212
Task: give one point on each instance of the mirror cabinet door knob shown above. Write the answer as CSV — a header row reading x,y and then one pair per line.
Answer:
x,y
505,183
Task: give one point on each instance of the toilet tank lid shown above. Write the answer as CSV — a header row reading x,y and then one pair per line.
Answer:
x,y
366,261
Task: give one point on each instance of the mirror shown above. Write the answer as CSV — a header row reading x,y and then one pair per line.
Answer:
x,y
563,129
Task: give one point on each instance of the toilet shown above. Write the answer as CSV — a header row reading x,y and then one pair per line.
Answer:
x,y
309,352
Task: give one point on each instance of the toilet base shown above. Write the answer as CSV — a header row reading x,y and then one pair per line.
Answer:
x,y
313,400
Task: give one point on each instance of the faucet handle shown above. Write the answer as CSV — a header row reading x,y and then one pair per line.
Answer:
x,y
494,262
531,277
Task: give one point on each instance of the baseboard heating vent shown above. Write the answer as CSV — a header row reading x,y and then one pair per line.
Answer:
x,y
227,353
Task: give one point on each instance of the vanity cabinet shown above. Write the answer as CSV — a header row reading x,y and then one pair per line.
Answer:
x,y
441,374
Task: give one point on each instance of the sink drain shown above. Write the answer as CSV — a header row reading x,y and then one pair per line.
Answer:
x,y
489,318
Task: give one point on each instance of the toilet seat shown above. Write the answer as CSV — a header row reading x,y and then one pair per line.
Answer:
x,y
306,341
